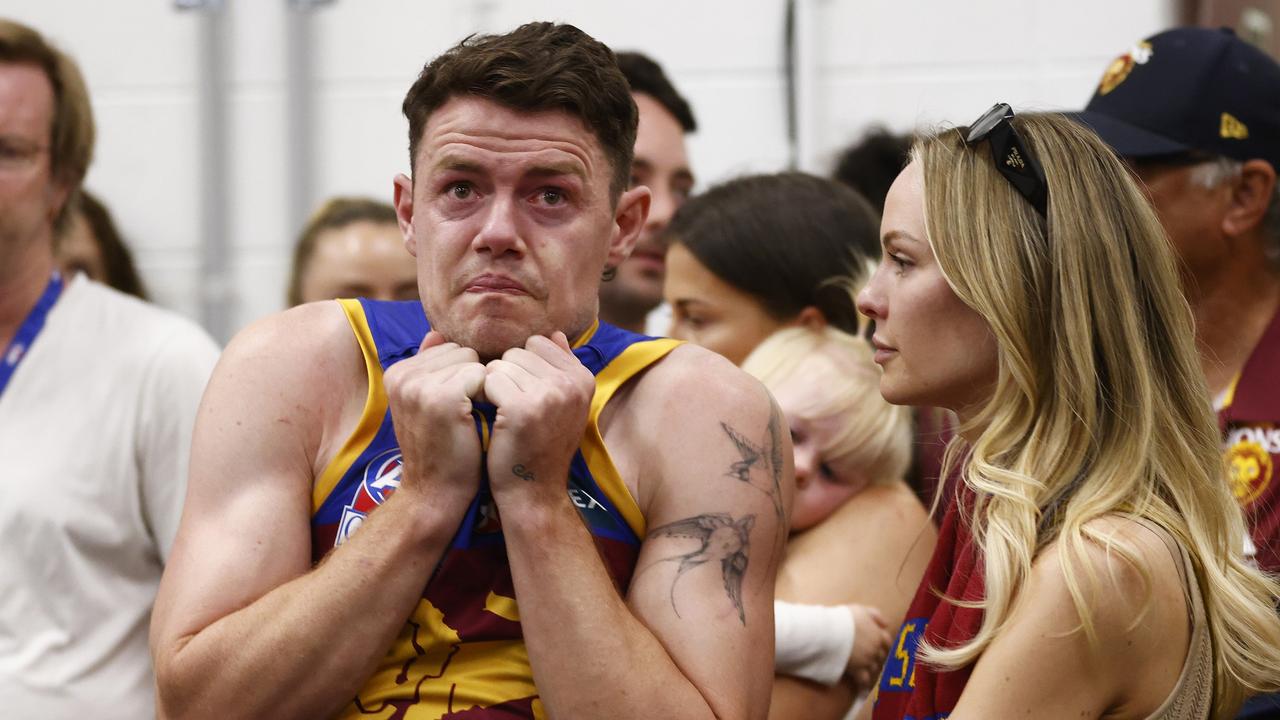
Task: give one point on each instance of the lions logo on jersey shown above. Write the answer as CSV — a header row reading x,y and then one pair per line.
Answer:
x,y
1249,460
381,479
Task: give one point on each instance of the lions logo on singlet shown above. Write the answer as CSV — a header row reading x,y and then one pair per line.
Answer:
x,y
1120,68
1249,450
381,479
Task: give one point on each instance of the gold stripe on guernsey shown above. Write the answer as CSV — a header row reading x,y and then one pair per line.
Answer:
x,y
502,606
1230,395
623,368
375,407
484,428
586,336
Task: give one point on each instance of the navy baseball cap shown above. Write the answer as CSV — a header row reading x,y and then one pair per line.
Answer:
x,y
1190,89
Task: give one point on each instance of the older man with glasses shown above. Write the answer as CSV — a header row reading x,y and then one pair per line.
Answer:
x,y
98,396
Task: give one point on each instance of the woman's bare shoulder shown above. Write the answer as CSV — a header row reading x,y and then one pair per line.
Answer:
x,y
1131,589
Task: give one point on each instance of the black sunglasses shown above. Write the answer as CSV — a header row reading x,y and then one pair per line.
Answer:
x,y
1011,156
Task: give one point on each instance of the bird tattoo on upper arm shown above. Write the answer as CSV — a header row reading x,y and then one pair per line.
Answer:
x,y
723,539
767,456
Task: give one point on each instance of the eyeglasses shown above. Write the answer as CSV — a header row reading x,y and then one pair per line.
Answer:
x,y
1011,156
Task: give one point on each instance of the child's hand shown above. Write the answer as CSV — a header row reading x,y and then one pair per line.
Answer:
x,y
870,645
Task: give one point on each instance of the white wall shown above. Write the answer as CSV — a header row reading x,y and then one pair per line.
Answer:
x,y
904,63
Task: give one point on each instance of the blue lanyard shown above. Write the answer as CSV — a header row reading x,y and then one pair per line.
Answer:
x,y
27,332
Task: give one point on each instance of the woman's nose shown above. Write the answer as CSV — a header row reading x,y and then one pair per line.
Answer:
x,y
870,302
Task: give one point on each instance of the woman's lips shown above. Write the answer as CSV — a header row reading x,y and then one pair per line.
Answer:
x,y
883,351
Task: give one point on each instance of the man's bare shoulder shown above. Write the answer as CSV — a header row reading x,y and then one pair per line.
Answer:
x,y
699,381
287,357
694,413
302,339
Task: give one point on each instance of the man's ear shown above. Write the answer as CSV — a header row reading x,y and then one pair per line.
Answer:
x,y
1250,197
811,317
402,189
628,223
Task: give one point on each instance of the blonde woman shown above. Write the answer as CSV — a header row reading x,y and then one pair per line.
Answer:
x,y
859,539
1092,565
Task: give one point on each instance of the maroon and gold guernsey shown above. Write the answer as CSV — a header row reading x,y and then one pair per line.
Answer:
x,y
909,689
461,654
1250,422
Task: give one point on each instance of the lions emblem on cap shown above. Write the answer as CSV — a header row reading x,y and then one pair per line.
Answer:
x,y
1250,467
1120,68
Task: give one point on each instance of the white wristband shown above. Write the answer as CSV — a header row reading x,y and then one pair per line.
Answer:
x,y
812,641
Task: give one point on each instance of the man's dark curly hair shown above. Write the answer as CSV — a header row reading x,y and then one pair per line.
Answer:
x,y
646,76
536,67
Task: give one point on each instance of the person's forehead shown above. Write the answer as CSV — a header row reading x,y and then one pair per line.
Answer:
x,y
658,133
904,204
357,236
653,113
26,97
476,130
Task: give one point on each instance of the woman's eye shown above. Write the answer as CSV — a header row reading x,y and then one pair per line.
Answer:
x,y
696,323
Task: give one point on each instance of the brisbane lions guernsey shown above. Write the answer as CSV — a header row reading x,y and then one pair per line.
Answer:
x,y
1250,422
461,653
912,690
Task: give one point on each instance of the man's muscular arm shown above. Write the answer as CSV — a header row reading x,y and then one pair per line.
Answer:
x,y
243,626
694,636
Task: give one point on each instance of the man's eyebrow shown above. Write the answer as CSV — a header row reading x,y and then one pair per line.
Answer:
x,y
455,163
558,169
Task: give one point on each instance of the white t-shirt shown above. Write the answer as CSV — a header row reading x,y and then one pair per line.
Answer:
x,y
95,429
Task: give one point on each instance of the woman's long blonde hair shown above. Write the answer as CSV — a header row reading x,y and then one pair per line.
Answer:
x,y
1100,406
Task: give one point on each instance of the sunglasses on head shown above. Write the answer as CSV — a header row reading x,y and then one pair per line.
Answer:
x,y
1011,156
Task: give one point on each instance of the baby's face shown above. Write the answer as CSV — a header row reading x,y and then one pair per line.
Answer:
x,y
821,486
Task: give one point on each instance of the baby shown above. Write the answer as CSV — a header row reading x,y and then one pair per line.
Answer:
x,y
846,438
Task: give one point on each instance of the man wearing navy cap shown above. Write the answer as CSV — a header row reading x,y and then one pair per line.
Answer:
x,y
1196,113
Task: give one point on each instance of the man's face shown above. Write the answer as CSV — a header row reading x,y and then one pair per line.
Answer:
x,y
1191,215
29,196
510,218
661,164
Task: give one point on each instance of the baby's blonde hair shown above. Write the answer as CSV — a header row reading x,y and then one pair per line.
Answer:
x,y
873,437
